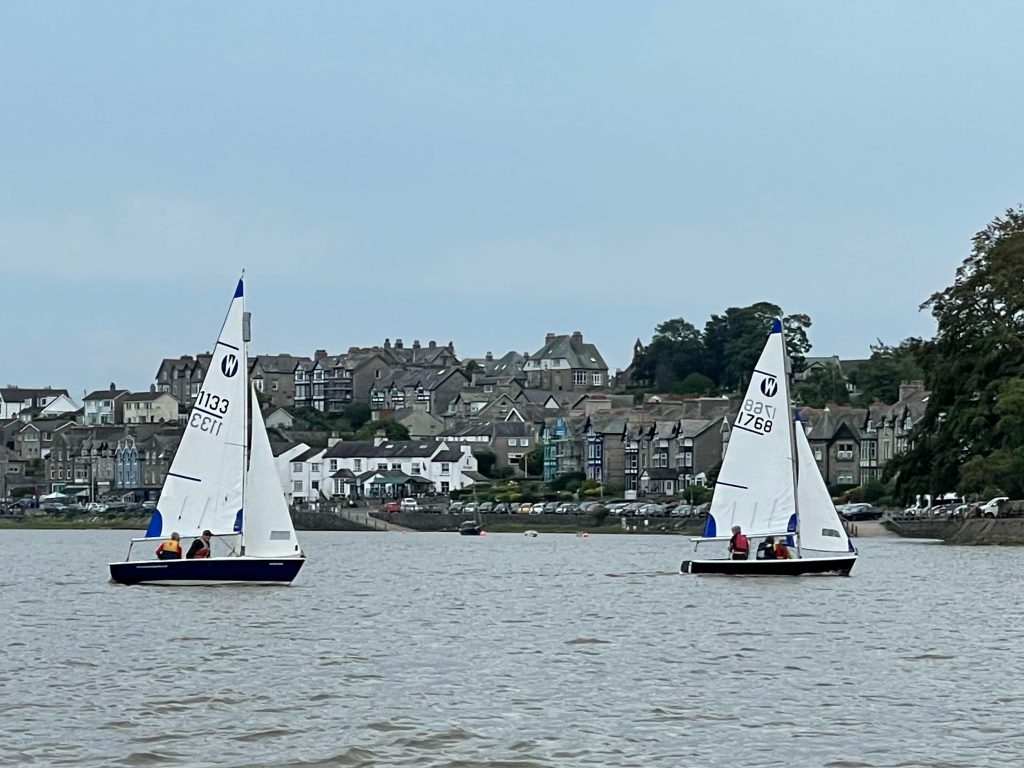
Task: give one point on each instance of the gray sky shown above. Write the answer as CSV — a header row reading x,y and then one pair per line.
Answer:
x,y
486,172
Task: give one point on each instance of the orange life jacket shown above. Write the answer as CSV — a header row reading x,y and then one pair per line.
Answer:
x,y
169,546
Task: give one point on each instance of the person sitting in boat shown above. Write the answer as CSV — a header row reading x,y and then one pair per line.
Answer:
x,y
200,547
739,547
171,548
766,549
781,550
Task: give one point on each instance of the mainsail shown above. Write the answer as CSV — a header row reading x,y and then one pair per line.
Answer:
x,y
203,488
755,485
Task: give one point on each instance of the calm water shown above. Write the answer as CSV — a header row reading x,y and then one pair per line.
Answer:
x,y
441,650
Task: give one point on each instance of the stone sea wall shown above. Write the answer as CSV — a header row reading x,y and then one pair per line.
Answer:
x,y
973,531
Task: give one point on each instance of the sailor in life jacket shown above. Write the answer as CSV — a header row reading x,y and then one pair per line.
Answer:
x,y
171,548
200,547
739,547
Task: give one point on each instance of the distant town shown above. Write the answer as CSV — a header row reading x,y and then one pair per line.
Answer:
x,y
399,420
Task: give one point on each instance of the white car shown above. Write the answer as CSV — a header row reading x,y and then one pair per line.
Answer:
x,y
409,504
991,507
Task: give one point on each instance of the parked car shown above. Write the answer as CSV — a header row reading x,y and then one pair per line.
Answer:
x,y
991,507
409,504
525,508
501,508
391,506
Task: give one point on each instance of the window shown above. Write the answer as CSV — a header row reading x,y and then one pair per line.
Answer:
x,y
488,388
314,468
579,377
524,442
315,485
445,487
596,379
357,465
296,467
512,441
445,468
333,464
817,454
396,466
297,486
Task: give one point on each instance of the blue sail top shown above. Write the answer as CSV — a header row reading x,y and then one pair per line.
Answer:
x,y
238,289
776,322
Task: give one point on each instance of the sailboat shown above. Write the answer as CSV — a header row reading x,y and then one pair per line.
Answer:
x,y
222,479
769,485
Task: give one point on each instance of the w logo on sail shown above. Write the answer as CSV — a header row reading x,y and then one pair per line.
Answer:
x,y
229,366
769,386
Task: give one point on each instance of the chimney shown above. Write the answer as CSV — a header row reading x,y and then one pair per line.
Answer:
x,y
353,350
416,344
489,358
908,388
152,387
432,344
549,337
451,347
577,337
320,354
398,344
333,441
387,343
379,438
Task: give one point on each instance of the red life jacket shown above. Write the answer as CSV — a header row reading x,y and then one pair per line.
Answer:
x,y
740,544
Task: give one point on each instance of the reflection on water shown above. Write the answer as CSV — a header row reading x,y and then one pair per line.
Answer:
x,y
442,650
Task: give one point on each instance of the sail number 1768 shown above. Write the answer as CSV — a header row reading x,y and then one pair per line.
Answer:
x,y
756,416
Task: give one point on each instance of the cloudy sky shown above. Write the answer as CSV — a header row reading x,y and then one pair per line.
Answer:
x,y
486,172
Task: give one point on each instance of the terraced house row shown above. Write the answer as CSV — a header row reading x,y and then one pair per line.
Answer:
x,y
560,401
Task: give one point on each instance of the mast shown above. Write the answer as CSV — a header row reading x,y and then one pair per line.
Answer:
x,y
246,402
788,368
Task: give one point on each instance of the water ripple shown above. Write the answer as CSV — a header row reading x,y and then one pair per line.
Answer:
x,y
430,651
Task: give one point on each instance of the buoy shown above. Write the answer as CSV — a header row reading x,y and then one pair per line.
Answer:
x,y
585,534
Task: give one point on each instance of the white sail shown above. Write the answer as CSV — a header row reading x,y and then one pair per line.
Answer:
x,y
821,530
203,488
754,489
267,529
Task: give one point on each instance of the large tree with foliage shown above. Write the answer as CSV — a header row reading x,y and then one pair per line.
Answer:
x,y
879,377
734,340
392,430
722,355
676,351
823,386
973,427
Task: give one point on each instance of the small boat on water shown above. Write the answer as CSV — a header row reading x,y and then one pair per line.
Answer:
x,y
770,486
531,533
470,528
223,479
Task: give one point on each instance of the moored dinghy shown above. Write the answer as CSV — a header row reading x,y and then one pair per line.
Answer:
x,y
223,479
769,485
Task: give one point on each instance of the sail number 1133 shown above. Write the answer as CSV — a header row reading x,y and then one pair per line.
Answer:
x,y
756,416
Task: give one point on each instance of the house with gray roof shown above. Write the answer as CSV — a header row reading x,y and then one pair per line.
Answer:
x,y
104,406
566,363
426,389
149,408
274,377
182,377
25,402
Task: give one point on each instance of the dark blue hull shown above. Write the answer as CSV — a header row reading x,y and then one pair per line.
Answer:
x,y
839,565
215,570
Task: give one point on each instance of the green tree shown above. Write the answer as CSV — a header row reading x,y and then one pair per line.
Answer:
x,y
823,386
878,378
697,384
676,350
533,462
357,414
485,461
734,341
970,429
392,430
